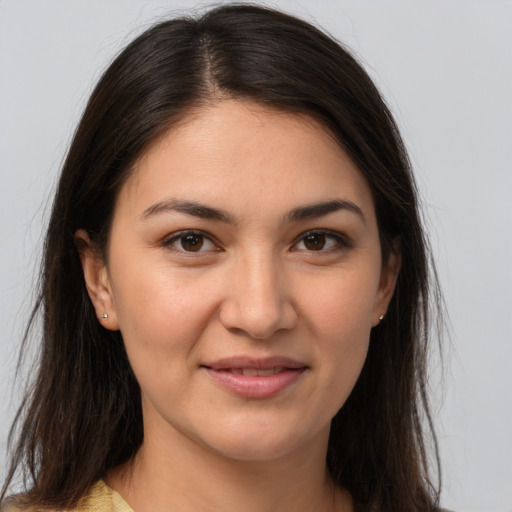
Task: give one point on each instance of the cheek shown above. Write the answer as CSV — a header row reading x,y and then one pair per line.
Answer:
x,y
343,305
162,310
340,319
162,322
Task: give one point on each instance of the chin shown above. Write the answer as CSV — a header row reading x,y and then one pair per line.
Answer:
x,y
247,444
256,451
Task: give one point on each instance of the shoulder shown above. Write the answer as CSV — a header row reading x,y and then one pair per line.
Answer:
x,y
10,504
100,498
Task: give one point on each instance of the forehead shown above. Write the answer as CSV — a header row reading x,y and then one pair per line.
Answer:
x,y
237,154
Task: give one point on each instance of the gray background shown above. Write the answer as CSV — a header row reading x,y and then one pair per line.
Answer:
x,y
444,67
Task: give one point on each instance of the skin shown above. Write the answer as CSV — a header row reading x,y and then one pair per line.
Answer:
x,y
258,287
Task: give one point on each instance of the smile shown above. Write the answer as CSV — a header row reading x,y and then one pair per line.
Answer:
x,y
255,378
253,372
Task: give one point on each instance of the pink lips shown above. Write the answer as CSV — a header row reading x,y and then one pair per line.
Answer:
x,y
255,378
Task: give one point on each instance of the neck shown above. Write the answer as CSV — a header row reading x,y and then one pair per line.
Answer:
x,y
175,473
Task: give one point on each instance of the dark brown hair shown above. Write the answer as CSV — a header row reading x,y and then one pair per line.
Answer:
x,y
82,415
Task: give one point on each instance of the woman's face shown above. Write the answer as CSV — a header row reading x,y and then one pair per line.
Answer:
x,y
245,274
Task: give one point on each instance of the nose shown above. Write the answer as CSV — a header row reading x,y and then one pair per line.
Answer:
x,y
258,300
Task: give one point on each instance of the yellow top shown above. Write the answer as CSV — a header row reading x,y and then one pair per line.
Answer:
x,y
101,498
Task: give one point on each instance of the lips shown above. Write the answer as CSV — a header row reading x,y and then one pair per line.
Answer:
x,y
266,363
255,378
253,372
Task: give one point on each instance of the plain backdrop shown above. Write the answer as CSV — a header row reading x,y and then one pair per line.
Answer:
x,y
445,68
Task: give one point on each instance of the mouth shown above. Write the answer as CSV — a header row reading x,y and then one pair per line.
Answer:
x,y
255,378
274,364
253,372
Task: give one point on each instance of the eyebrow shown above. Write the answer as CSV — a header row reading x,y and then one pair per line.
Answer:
x,y
313,211
202,211
188,207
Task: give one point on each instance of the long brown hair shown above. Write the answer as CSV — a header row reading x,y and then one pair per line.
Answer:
x,y
82,415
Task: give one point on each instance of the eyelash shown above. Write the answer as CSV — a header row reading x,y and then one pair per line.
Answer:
x,y
180,236
340,242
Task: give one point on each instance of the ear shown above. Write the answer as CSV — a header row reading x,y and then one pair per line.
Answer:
x,y
387,283
97,281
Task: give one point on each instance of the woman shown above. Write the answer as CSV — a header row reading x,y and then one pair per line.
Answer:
x,y
235,289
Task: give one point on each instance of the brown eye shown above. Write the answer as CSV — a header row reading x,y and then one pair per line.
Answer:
x,y
321,241
192,242
314,241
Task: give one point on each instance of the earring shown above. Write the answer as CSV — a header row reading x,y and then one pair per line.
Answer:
x,y
381,317
104,316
